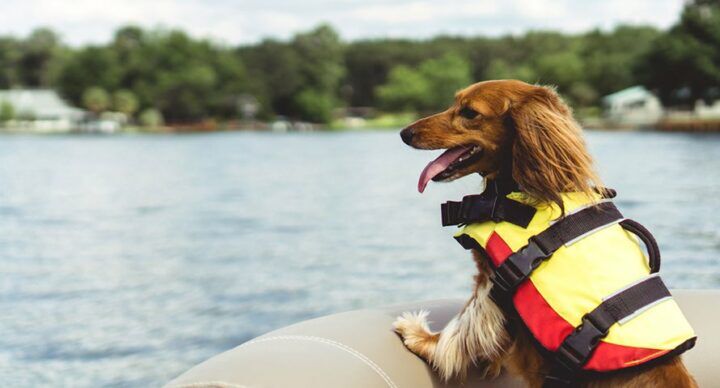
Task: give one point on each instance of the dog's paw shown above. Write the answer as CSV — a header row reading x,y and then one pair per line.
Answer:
x,y
416,334
411,323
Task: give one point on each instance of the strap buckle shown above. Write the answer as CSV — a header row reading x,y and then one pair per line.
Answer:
x,y
577,348
516,268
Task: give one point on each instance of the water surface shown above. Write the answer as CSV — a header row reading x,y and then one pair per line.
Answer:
x,y
125,260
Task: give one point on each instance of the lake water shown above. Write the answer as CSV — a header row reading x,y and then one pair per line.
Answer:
x,y
125,260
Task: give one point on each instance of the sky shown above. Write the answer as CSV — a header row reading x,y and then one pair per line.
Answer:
x,y
247,21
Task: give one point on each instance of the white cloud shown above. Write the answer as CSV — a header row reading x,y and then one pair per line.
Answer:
x,y
244,21
539,10
422,11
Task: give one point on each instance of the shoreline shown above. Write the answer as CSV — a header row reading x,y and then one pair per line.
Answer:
x,y
379,124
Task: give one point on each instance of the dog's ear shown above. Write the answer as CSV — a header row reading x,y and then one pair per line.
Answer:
x,y
548,152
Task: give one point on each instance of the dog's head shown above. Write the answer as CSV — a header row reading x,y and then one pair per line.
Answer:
x,y
507,125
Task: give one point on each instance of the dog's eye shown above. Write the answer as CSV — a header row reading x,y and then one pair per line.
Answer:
x,y
468,113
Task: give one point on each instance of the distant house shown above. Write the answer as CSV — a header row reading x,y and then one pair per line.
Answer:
x,y
39,110
707,111
634,106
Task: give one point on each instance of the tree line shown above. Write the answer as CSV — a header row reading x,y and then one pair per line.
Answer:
x,y
167,74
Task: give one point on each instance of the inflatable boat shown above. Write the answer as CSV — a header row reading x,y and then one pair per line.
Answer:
x,y
359,349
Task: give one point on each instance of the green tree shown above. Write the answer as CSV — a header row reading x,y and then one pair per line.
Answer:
x,y
151,118
186,78
446,75
124,101
231,82
315,106
369,64
429,87
500,69
10,54
274,76
610,58
96,99
562,69
7,112
683,65
41,59
582,94
308,76
321,58
406,90
321,67
182,94
92,66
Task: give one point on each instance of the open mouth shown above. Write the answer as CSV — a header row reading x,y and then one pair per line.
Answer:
x,y
446,166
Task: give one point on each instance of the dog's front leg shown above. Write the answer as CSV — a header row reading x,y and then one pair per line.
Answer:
x,y
476,334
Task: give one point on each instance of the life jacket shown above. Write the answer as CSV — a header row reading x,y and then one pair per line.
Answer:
x,y
579,280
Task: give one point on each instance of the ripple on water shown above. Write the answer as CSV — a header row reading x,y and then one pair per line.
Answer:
x,y
121,271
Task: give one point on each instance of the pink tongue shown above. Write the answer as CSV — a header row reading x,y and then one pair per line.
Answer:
x,y
439,165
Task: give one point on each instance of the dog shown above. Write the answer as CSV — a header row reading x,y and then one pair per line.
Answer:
x,y
526,131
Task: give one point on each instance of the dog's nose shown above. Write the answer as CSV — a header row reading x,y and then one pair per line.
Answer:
x,y
406,135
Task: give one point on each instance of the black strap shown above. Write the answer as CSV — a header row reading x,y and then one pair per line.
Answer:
x,y
606,192
578,347
494,205
503,184
518,266
576,225
647,238
481,208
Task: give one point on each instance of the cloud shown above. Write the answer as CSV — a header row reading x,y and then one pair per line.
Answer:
x,y
422,11
246,21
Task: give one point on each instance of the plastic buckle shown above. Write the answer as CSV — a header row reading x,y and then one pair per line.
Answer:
x,y
516,268
575,351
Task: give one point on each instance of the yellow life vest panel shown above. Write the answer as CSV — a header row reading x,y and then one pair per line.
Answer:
x,y
557,296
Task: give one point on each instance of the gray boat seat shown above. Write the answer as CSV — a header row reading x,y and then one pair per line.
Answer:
x,y
359,349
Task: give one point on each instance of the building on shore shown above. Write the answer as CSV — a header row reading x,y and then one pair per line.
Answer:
x,y
632,107
38,110
637,107
704,110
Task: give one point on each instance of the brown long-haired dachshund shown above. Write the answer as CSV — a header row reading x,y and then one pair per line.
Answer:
x,y
529,132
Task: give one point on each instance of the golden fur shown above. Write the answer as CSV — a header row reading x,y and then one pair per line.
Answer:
x,y
529,132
